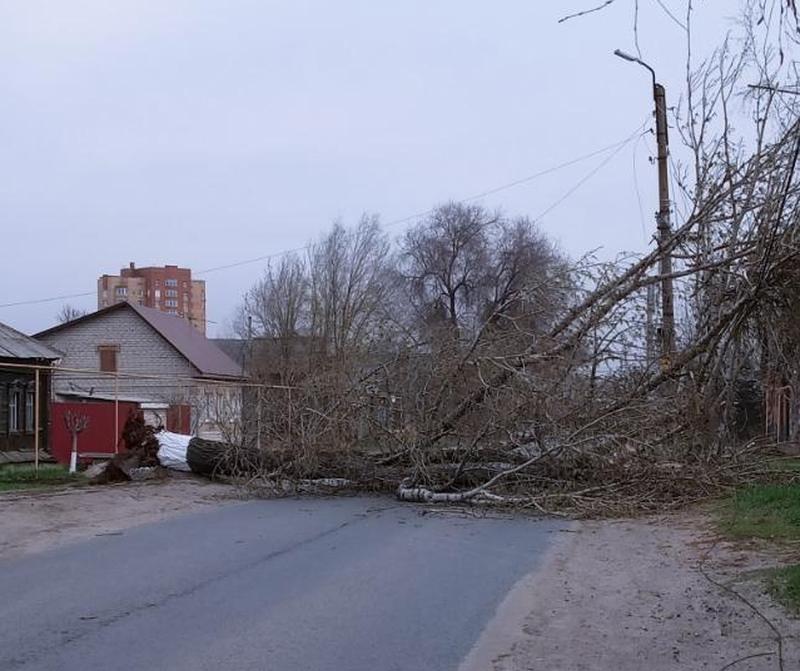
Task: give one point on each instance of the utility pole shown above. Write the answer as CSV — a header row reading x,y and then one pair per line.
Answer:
x,y
663,216
664,227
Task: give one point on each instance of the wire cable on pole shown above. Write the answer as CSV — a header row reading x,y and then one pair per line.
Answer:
x,y
615,148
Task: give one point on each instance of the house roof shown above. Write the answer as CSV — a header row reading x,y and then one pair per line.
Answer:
x,y
16,345
233,347
206,357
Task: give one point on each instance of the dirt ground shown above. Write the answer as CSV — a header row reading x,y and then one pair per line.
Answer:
x,y
31,522
632,595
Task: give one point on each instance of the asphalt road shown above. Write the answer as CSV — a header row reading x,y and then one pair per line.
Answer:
x,y
289,585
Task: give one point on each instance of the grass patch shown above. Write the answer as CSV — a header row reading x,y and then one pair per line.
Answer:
x,y
763,511
784,584
13,478
770,511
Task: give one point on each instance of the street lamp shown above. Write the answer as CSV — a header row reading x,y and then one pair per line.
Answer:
x,y
663,215
633,59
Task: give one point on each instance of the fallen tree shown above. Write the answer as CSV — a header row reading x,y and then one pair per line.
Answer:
x,y
141,452
477,364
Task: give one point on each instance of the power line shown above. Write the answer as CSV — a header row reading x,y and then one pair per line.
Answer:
x,y
616,147
529,178
584,179
638,192
418,215
47,300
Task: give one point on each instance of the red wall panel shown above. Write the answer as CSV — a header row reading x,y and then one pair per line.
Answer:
x,y
179,418
98,435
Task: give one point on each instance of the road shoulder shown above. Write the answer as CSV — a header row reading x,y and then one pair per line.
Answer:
x,y
35,521
634,594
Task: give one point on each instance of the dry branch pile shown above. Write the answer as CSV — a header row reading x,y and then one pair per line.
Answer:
x,y
471,361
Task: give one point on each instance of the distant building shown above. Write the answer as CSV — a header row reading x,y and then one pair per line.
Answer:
x,y
169,289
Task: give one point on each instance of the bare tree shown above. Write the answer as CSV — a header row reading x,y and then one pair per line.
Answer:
x,y
278,303
76,423
348,286
444,261
69,312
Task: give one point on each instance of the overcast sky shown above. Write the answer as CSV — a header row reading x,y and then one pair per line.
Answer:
x,y
202,133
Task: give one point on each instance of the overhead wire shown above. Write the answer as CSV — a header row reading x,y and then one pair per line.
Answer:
x,y
582,181
615,148
638,192
423,213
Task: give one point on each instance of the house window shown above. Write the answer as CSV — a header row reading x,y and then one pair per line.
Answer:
x,y
30,404
171,303
122,291
170,283
14,409
108,358
171,292
3,409
158,293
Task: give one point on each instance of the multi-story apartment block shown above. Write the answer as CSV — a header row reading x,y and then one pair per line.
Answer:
x,y
169,289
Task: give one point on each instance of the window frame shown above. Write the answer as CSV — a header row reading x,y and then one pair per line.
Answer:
x,y
14,409
105,350
29,422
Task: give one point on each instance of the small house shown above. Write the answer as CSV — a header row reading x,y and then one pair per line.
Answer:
x,y
131,353
25,378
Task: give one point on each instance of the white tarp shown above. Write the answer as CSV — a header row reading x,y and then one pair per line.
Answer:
x,y
172,450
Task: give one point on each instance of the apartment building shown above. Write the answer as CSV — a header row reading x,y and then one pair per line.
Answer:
x,y
169,289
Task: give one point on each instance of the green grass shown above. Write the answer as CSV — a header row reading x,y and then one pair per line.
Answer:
x,y
763,511
770,512
14,478
784,584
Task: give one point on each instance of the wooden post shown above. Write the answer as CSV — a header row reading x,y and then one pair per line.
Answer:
x,y
116,413
258,417
36,422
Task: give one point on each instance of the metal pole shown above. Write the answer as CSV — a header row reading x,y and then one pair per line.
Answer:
x,y
664,228
36,422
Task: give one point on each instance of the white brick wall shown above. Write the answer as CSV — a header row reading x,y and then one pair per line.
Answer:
x,y
141,350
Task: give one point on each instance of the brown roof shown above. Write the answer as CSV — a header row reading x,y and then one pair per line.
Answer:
x,y
206,357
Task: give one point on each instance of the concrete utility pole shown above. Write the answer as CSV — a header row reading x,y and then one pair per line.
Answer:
x,y
663,214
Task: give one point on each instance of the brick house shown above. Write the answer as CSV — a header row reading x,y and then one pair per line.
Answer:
x,y
128,352
20,357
